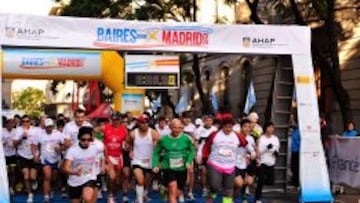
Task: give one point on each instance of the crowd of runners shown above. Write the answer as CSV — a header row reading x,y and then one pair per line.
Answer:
x,y
86,159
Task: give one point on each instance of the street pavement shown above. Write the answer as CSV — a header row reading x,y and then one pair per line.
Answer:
x,y
269,196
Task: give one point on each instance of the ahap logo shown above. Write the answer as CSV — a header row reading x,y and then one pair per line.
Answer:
x,y
16,32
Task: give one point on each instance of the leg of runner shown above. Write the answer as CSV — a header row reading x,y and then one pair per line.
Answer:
x,y
27,183
148,178
228,187
190,182
126,183
89,194
12,176
33,178
112,177
140,184
204,182
215,182
238,184
260,184
173,192
47,172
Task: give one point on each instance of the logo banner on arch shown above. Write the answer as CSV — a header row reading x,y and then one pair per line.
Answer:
x,y
70,32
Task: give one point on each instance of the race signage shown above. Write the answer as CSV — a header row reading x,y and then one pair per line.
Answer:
x,y
152,71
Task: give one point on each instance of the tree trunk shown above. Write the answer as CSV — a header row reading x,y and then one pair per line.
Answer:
x,y
334,68
204,100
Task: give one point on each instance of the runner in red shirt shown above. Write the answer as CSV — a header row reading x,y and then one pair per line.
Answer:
x,y
114,136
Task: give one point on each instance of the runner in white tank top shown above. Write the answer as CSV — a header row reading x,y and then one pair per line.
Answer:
x,y
143,149
142,140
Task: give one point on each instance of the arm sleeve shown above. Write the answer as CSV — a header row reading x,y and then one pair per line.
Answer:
x,y
156,154
207,147
69,155
191,153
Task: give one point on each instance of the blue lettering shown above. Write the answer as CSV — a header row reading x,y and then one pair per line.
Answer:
x,y
118,35
133,35
115,35
100,33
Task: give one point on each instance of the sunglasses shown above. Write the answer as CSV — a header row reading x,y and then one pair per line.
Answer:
x,y
26,121
86,140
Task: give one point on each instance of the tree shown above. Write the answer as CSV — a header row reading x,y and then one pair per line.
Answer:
x,y
30,100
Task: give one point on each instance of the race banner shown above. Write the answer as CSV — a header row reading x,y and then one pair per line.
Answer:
x,y
344,161
91,33
19,63
314,176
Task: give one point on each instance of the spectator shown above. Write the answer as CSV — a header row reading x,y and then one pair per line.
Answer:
x,y
350,130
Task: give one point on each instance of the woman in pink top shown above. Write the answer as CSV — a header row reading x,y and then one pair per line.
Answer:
x,y
220,152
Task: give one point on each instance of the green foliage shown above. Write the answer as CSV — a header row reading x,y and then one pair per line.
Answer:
x,y
30,100
178,10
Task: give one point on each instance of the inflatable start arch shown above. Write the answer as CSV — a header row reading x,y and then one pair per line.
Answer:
x,y
52,64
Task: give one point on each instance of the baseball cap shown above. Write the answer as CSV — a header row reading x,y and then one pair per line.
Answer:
x,y
198,121
116,115
49,122
143,118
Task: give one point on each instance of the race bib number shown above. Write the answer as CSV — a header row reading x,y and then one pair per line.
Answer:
x,y
176,163
240,159
146,163
86,169
114,160
225,152
50,147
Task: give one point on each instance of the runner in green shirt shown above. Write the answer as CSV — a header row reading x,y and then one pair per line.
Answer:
x,y
178,155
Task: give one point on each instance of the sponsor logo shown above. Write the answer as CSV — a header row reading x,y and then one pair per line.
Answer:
x,y
23,32
345,163
303,79
260,42
51,63
28,32
152,37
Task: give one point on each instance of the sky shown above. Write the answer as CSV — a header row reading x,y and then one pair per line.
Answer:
x,y
36,7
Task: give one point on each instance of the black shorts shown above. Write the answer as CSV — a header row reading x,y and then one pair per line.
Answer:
x,y
145,170
10,161
180,177
76,192
240,172
98,181
251,169
26,163
126,159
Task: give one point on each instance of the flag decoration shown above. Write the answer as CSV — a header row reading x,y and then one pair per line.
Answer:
x,y
250,98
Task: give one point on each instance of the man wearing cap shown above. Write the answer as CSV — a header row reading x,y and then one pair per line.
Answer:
x,y
142,141
114,137
51,145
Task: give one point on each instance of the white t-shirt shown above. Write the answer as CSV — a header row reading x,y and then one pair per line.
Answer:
x,y
250,140
241,156
24,148
190,129
100,156
71,130
8,142
201,135
85,160
165,131
48,143
267,156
